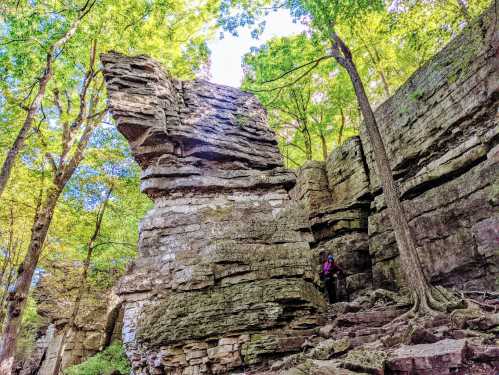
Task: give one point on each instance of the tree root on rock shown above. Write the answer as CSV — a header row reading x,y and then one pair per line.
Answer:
x,y
437,300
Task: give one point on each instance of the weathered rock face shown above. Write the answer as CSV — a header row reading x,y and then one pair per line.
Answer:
x,y
97,323
225,277
362,338
441,133
337,198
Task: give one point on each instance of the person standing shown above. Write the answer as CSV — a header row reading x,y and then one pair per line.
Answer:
x,y
329,271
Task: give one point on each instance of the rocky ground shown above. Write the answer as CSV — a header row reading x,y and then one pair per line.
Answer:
x,y
363,337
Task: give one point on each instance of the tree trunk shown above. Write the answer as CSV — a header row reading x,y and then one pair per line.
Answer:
x,y
82,285
342,127
18,296
323,145
408,255
23,133
307,139
426,299
44,213
385,83
386,87
35,104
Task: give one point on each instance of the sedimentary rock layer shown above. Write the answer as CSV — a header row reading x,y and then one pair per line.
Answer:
x,y
225,277
337,197
227,270
441,131
96,326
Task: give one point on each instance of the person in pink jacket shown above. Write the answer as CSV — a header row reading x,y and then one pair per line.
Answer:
x,y
329,270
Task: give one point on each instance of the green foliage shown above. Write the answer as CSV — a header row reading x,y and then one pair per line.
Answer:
x,y
174,32
389,41
416,94
307,105
328,13
112,358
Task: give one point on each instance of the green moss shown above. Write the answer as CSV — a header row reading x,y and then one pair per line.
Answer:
x,y
31,322
218,213
403,110
494,193
259,345
365,360
416,94
473,44
242,120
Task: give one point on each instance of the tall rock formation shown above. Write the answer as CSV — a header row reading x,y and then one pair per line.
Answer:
x,y
337,198
225,277
441,131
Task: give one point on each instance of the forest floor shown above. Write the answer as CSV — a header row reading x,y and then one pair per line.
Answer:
x,y
362,337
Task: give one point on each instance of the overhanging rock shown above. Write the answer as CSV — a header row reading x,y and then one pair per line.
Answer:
x,y
225,277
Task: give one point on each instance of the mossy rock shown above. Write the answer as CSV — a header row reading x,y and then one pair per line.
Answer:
x,y
370,361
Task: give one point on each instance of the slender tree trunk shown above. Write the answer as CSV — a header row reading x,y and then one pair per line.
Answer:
x,y
385,83
386,87
425,298
408,255
28,123
342,127
323,145
18,296
307,139
86,121
34,107
376,62
83,283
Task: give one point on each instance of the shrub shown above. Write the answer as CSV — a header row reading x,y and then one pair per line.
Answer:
x,y
112,358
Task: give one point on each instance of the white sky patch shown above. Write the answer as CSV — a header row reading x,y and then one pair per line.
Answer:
x,y
227,53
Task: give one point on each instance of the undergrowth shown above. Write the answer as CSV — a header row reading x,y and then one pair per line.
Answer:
x,y
111,359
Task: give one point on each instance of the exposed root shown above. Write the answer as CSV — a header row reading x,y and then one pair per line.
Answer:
x,y
437,301
434,301
442,300
409,315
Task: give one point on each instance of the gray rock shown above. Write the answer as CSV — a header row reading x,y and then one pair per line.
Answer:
x,y
225,274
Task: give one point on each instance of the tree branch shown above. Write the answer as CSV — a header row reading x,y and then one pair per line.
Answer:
x,y
315,64
296,68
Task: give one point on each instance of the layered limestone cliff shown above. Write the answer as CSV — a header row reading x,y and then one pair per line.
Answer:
x,y
225,277
441,131
337,197
97,325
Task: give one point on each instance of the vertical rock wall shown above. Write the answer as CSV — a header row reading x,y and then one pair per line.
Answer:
x,y
94,326
441,131
337,198
225,278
